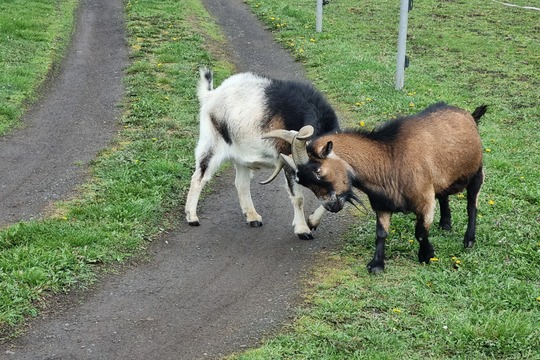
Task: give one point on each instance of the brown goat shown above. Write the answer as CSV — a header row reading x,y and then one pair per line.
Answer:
x,y
402,166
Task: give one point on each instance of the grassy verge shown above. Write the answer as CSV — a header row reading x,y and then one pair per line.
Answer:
x,y
483,303
33,38
137,183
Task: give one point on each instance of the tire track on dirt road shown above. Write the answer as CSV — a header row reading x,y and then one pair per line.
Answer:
x,y
207,291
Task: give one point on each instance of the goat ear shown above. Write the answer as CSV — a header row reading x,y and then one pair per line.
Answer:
x,y
327,149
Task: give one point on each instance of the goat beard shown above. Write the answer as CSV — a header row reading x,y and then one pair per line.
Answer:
x,y
355,201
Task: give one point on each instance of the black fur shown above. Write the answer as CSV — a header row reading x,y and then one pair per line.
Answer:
x,y
389,131
479,112
208,75
300,104
221,127
204,163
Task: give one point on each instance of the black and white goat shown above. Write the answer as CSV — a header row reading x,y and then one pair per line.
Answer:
x,y
403,166
233,118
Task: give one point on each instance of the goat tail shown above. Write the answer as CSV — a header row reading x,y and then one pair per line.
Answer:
x,y
206,82
478,113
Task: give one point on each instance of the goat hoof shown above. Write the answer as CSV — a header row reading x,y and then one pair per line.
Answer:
x,y
255,223
468,244
194,223
425,254
306,236
445,226
425,257
375,267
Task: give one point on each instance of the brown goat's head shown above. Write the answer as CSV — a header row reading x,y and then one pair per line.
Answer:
x,y
318,168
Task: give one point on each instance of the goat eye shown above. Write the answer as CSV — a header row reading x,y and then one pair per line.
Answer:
x,y
318,173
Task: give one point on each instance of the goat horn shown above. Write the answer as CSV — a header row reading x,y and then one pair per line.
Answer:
x,y
277,169
297,139
289,161
298,147
286,135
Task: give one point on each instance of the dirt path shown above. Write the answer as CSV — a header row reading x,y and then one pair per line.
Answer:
x,y
75,118
206,291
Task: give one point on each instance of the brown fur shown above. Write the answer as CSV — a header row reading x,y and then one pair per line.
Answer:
x,y
402,167
431,155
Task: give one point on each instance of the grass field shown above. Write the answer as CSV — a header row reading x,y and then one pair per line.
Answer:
x,y
137,184
33,38
478,304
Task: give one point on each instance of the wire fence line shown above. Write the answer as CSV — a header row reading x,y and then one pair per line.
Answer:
x,y
518,6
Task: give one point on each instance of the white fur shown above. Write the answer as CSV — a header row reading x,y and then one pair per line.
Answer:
x,y
240,100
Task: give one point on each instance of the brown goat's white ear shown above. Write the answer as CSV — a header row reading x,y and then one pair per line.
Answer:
x,y
327,149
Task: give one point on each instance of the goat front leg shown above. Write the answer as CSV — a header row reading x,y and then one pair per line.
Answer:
x,y
424,219
376,265
242,183
315,218
301,228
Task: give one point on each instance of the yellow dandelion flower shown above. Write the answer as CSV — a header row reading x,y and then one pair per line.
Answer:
x,y
396,310
461,196
491,202
312,40
411,104
434,259
488,150
538,298
362,123
411,241
454,258
369,99
457,262
159,65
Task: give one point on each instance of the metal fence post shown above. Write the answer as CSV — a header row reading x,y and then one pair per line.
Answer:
x,y
402,41
318,24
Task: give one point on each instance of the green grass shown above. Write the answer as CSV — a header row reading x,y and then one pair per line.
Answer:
x,y
477,304
138,184
33,39
462,52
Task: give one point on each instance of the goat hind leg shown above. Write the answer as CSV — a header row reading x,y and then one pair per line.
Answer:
x,y
205,168
473,189
446,216
242,183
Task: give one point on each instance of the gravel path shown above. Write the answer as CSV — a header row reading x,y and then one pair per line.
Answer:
x,y
205,291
